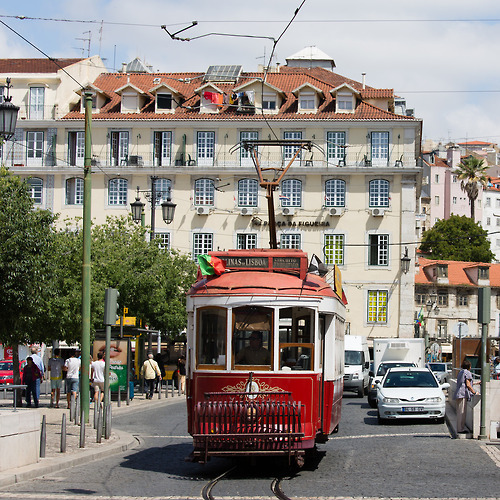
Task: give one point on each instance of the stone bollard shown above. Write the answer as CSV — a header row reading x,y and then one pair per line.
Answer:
x,y
63,433
72,403
119,401
82,429
99,424
43,437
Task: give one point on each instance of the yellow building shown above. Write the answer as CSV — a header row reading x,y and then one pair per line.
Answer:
x,y
350,200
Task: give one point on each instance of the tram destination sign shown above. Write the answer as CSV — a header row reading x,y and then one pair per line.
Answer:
x,y
262,262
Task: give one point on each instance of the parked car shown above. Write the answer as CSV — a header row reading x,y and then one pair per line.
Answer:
x,y
442,371
7,371
377,377
411,392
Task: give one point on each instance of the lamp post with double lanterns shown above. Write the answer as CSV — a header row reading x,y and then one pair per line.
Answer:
x,y
153,196
8,114
430,305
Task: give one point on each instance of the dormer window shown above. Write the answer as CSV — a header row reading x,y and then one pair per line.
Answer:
x,y
130,103
307,101
163,102
442,270
269,102
345,102
483,273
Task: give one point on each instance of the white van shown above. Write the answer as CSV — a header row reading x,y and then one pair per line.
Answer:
x,y
357,364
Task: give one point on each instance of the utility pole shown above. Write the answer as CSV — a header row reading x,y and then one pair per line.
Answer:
x,y
86,284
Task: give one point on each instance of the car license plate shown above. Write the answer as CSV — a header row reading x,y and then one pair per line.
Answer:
x,y
413,409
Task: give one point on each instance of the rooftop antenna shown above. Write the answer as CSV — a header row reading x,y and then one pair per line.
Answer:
x,y
86,40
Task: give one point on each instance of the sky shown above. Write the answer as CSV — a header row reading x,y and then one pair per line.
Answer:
x,y
441,56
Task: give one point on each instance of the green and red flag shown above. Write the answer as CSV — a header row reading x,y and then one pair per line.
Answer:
x,y
211,265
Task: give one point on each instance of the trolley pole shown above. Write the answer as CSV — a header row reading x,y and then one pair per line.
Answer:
x,y
86,283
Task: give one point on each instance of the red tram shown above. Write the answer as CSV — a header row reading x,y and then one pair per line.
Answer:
x,y
264,356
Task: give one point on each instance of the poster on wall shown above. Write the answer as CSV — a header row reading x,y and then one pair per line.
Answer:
x,y
118,355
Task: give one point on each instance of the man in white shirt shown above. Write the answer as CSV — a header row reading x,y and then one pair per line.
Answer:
x,y
97,376
38,362
72,369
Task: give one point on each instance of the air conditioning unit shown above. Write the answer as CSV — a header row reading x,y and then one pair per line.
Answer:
x,y
203,210
288,210
336,211
247,211
378,212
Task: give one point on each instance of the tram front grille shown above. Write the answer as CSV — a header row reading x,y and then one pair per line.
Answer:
x,y
265,421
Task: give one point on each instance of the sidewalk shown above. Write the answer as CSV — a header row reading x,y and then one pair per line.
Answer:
x,y
55,460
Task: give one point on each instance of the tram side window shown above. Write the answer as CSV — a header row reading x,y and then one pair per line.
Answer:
x,y
296,327
212,325
252,337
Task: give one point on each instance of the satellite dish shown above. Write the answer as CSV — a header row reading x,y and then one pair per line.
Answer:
x,y
461,330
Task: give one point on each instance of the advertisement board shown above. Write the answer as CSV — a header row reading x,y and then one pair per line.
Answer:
x,y
118,355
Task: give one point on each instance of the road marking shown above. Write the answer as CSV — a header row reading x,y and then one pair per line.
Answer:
x,y
364,436
493,451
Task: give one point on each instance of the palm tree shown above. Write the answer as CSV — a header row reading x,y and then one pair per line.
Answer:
x,y
471,173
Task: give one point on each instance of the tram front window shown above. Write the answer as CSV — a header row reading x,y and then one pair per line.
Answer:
x,y
212,324
252,337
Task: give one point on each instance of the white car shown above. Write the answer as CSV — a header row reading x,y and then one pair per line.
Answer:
x,y
411,392
442,371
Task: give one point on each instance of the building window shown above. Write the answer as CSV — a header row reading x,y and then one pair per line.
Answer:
x,y
245,155
163,102
497,221
377,306
248,190
289,151
307,101
290,241
484,273
119,148
130,103
436,200
204,192
74,191
245,241
269,102
380,148
454,200
163,189
379,193
455,178
334,249
34,145
344,102
335,193
206,148
202,244
335,146
420,297
162,148
442,299
35,188
117,192
462,299
442,329
436,178
442,270
378,250
488,202
163,240
76,148
291,193
37,100
488,221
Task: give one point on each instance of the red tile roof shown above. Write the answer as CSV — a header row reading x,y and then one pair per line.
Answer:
x,y
34,65
456,272
287,80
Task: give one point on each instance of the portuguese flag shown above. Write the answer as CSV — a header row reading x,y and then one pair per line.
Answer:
x,y
211,265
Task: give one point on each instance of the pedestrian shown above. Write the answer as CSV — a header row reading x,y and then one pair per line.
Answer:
x,y
31,373
97,377
159,359
150,370
463,393
497,368
55,367
39,363
72,369
181,367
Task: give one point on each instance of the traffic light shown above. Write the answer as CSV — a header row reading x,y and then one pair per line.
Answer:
x,y
111,306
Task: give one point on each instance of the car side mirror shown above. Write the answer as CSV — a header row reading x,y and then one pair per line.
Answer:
x,y
444,386
377,381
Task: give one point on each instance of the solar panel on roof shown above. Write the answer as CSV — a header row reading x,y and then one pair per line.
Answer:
x,y
222,73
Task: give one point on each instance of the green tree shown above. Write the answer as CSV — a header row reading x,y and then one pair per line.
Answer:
x,y
457,238
472,173
26,270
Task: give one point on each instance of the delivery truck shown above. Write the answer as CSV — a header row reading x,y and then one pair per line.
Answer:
x,y
356,364
392,352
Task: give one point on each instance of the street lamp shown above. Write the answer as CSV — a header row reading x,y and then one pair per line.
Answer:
x,y
8,115
153,196
405,262
429,306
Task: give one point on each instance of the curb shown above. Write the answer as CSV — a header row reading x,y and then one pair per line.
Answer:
x,y
125,442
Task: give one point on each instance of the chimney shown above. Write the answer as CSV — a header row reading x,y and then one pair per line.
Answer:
x,y
124,68
453,156
363,80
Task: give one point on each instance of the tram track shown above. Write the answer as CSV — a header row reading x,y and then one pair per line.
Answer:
x,y
275,486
